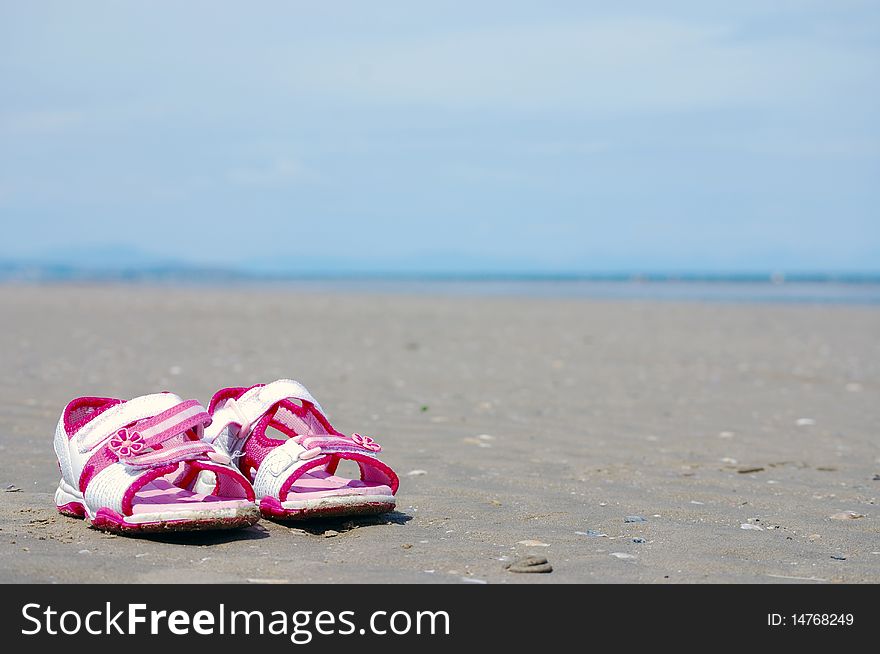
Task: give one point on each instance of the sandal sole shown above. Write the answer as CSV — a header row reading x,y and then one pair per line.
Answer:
x,y
71,505
111,522
271,508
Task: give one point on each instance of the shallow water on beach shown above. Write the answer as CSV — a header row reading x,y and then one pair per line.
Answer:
x,y
867,293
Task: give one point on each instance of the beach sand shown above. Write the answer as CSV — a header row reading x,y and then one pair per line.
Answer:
x,y
517,427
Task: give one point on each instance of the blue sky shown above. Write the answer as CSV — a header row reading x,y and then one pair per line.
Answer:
x,y
565,136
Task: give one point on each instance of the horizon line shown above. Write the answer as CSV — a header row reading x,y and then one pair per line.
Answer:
x,y
10,271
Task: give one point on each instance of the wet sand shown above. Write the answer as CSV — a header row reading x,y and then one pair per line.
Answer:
x,y
518,427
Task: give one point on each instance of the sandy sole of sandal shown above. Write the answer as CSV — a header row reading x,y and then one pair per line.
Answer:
x,y
112,522
332,507
70,503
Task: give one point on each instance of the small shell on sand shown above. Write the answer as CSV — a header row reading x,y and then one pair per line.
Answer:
x,y
533,543
847,515
530,564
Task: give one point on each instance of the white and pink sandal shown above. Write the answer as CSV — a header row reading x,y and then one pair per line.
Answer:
x,y
294,471
141,466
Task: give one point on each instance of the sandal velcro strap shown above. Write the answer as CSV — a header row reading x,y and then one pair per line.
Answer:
x,y
99,429
327,443
259,399
143,444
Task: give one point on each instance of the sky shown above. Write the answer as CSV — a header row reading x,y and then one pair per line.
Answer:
x,y
445,136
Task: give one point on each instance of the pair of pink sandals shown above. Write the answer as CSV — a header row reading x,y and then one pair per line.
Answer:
x,y
161,463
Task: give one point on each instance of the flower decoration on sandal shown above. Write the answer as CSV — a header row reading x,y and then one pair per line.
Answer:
x,y
366,442
126,444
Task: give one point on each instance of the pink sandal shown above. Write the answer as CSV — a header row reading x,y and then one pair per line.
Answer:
x,y
141,466
294,473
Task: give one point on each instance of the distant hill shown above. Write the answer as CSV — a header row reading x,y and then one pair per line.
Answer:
x,y
105,263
